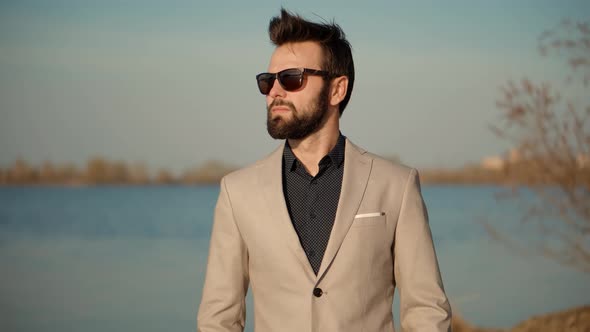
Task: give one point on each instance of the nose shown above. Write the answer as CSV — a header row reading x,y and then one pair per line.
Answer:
x,y
276,90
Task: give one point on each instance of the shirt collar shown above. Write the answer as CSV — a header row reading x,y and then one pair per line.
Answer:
x,y
336,154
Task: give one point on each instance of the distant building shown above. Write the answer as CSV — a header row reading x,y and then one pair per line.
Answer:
x,y
493,163
583,160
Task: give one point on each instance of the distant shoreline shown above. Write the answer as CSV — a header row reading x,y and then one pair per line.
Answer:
x,y
100,172
451,177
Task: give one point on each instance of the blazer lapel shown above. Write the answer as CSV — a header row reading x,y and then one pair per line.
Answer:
x,y
357,168
270,178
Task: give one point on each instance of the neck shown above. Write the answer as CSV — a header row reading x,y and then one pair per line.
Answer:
x,y
311,149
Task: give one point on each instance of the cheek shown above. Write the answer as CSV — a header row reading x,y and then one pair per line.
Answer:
x,y
302,100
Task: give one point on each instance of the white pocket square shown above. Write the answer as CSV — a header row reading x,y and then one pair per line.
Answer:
x,y
369,215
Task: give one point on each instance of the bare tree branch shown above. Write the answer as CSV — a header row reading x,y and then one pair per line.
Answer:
x,y
551,139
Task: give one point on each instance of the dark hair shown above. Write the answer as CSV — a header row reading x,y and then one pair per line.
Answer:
x,y
290,28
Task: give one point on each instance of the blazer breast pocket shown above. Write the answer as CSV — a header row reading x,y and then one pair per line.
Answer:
x,y
369,219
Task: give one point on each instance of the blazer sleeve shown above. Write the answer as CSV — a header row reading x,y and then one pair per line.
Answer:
x,y
223,304
423,303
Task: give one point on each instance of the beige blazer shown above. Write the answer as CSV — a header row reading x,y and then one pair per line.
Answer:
x,y
380,240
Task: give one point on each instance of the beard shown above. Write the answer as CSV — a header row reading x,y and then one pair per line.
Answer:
x,y
301,124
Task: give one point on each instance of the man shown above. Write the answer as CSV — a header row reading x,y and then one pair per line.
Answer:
x,y
321,230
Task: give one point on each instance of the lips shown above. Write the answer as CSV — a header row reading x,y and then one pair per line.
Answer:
x,y
280,109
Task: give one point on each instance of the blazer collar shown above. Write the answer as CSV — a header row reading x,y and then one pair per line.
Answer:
x,y
357,167
270,179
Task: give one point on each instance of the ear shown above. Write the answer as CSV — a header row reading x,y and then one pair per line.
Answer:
x,y
338,89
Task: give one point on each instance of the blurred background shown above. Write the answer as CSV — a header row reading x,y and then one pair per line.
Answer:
x,y
118,118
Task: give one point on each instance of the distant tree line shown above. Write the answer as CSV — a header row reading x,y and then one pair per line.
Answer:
x,y
524,172
99,171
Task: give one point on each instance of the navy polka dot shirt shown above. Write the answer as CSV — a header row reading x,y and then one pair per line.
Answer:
x,y
312,200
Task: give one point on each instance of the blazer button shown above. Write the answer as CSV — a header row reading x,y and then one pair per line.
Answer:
x,y
317,292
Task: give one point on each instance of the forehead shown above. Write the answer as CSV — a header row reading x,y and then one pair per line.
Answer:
x,y
296,55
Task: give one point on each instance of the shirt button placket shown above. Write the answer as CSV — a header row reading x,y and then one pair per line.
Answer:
x,y
312,195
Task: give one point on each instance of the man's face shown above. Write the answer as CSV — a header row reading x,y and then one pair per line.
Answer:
x,y
297,114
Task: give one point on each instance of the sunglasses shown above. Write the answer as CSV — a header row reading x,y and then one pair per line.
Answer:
x,y
290,79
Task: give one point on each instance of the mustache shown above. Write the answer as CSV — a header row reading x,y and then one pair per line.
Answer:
x,y
281,102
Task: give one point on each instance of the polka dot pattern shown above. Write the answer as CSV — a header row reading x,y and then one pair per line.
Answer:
x,y
312,201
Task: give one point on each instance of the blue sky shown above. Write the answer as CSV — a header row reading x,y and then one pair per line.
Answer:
x,y
172,83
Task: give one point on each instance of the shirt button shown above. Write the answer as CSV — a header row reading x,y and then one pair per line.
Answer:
x,y
311,253
314,181
317,292
312,215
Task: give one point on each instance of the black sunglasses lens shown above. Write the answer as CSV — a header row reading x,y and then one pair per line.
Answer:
x,y
265,82
291,79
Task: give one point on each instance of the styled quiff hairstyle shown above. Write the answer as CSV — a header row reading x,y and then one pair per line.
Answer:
x,y
290,28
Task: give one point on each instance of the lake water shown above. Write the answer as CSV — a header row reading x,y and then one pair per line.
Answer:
x,y
133,259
